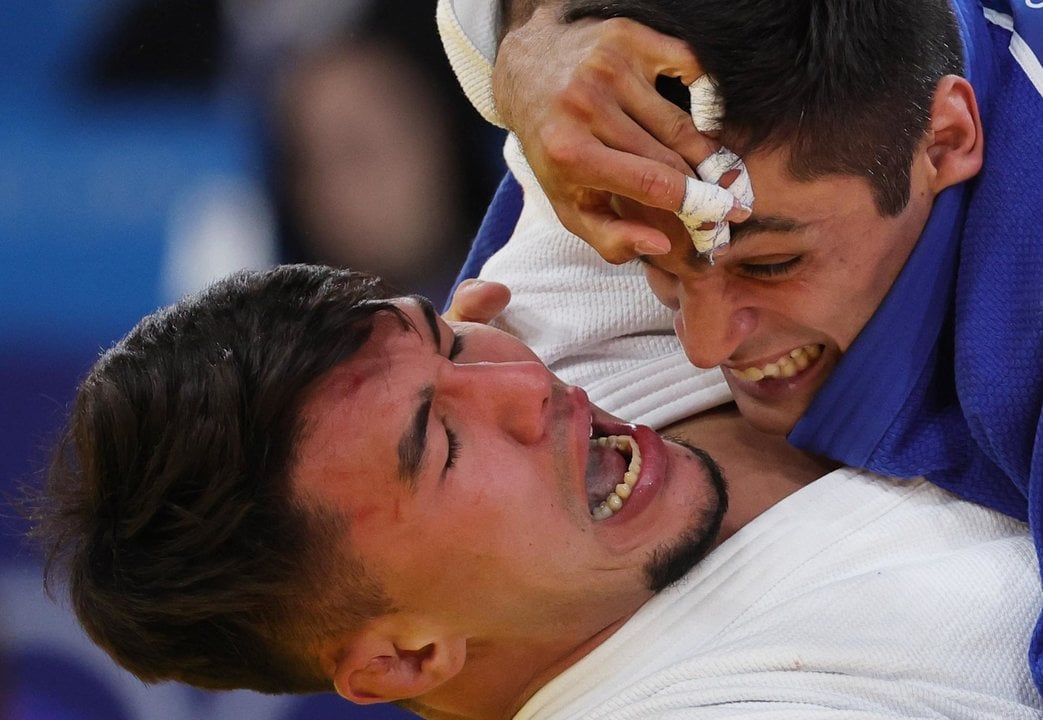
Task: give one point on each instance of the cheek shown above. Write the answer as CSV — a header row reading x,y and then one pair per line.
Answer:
x,y
865,282
869,263
663,286
841,302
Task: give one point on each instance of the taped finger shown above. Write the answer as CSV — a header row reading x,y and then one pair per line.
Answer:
x,y
723,161
705,203
706,106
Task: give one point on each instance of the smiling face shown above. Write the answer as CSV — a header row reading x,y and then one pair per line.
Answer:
x,y
467,476
802,277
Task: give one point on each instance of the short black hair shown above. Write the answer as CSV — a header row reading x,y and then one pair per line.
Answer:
x,y
168,508
846,85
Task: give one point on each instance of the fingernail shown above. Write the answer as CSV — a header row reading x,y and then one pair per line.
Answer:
x,y
739,212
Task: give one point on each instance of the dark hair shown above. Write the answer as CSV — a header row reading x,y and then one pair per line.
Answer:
x,y
168,507
846,84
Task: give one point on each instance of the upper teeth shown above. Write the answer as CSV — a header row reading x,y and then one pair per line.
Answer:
x,y
614,502
785,367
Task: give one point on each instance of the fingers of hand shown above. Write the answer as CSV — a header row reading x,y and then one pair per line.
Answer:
x,y
672,137
660,54
706,107
618,240
615,239
591,174
478,301
706,202
707,207
724,161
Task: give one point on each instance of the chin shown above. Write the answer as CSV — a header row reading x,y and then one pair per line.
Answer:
x,y
770,419
672,560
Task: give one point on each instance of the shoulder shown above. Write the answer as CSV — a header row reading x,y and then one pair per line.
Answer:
x,y
1023,19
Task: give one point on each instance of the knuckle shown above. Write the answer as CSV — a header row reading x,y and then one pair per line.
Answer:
x,y
614,254
680,128
619,30
654,187
558,149
604,69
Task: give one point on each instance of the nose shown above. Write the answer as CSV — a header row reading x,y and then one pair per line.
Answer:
x,y
711,320
512,396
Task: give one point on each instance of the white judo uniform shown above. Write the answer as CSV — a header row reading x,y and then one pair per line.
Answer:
x,y
856,597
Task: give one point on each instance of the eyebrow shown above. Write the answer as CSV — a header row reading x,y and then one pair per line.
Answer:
x,y
431,316
765,223
413,443
762,224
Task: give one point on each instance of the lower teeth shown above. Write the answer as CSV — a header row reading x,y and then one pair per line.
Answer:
x,y
615,500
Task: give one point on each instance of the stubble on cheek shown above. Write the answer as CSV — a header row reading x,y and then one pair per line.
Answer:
x,y
671,561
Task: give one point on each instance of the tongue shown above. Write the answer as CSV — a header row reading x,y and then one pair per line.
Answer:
x,y
605,468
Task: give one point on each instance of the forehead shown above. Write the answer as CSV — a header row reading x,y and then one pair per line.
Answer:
x,y
776,187
352,418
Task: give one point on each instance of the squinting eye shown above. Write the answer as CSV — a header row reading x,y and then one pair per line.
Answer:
x,y
457,346
454,449
770,270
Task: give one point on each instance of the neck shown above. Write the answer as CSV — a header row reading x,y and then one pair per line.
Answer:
x,y
761,469
484,691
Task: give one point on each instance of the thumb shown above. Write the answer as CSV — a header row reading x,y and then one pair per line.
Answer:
x,y
478,301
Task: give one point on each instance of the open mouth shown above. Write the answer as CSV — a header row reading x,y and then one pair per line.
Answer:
x,y
613,469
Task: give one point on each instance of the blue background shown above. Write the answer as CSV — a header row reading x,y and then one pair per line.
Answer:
x,y
87,188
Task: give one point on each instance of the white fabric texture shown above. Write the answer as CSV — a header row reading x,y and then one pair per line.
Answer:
x,y
595,325
857,597
469,29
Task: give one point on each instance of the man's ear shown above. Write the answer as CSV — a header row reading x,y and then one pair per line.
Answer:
x,y
382,664
956,142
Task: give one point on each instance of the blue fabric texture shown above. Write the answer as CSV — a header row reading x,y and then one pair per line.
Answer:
x,y
496,228
961,401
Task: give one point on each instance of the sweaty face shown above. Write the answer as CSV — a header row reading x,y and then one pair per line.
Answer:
x,y
802,277
473,489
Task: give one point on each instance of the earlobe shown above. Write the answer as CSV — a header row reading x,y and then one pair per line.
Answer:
x,y
956,145
378,668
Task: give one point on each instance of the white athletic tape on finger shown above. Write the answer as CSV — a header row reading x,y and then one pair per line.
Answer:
x,y
723,161
706,203
707,110
706,106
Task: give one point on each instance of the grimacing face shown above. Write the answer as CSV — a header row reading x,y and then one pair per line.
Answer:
x,y
467,475
802,277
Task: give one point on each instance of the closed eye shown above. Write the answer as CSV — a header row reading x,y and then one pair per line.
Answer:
x,y
771,270
457,346
453,449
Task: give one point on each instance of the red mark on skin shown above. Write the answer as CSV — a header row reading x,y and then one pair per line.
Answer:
x,y
375,512
361,515
346,381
